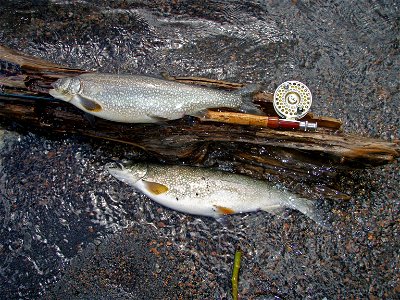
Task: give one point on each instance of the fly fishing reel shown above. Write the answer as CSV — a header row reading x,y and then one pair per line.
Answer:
x,y
292,101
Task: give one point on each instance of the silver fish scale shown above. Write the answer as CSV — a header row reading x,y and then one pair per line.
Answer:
x,y
139,97
200,182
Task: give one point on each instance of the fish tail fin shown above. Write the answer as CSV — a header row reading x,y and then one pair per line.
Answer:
x,y
247,105
310,209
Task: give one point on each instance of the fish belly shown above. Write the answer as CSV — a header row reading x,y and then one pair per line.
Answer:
x,y
209,205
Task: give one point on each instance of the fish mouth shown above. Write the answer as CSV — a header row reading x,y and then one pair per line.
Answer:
x,y
119,172
115,167
117,164
59,94
126,172
53,92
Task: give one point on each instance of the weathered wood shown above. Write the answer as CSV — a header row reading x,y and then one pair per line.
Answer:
x,y
27,62
287,154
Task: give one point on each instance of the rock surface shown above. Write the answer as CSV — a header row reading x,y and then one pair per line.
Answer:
x,y
69,231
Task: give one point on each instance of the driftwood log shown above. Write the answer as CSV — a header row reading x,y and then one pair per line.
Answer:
x,y
286,155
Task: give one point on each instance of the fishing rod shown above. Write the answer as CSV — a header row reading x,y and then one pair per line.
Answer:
x,y
256,120
292,101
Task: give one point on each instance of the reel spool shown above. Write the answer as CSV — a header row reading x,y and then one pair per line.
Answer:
x,y
292,100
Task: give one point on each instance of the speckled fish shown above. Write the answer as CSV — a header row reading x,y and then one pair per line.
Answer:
x,y
141,99
208,192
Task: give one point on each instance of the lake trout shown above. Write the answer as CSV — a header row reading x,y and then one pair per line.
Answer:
x,y
141,99
207,192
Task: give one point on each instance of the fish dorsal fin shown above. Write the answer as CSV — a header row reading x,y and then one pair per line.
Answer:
x,y
155,187
222,210
90,104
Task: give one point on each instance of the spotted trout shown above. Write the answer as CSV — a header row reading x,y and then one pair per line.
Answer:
x,y
141,99
207,192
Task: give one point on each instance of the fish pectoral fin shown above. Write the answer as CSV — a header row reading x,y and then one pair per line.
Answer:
x,y
90,104
155,187
56,94
222,210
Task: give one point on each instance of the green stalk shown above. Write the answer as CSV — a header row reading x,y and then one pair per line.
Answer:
x,y
235,274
